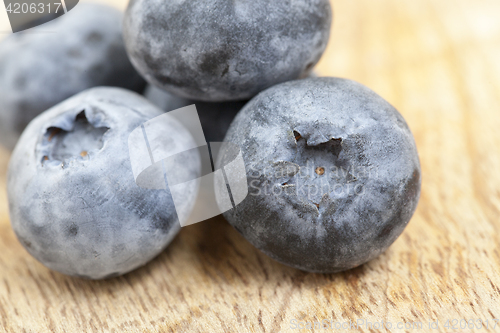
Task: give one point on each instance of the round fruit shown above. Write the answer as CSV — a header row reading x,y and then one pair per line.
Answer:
x,y
219,50
333,174
74,203
79,50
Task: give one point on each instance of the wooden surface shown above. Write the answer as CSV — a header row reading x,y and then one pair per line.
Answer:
x,y
438,62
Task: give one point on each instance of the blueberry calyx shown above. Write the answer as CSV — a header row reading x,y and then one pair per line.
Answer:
x,y
77,139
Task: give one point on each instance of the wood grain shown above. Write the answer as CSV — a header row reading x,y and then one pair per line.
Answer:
x,y
438,62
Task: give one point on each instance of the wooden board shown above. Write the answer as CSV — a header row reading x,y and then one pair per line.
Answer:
x,y
438,62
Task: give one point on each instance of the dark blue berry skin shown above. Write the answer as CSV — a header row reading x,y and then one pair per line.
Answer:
x,y
50,63
333,174
219,50
215,117
73,200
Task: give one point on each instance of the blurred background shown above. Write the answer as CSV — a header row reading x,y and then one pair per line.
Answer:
x,y
438,63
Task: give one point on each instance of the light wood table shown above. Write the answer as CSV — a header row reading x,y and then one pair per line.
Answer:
x,y
438,62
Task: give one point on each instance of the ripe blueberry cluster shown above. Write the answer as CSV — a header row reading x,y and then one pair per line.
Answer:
x,y
332,169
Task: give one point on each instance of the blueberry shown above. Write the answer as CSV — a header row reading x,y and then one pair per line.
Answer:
x,y
219,50
73,200
215,117
50,63
164,100
333,174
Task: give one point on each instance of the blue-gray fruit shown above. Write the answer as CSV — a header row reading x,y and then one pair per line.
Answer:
x,y
215,117
40,68
73,200
333,174
219,50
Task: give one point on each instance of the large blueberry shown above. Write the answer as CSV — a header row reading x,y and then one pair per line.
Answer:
x,y
215,117
73,200
219,50
50,63
333,173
